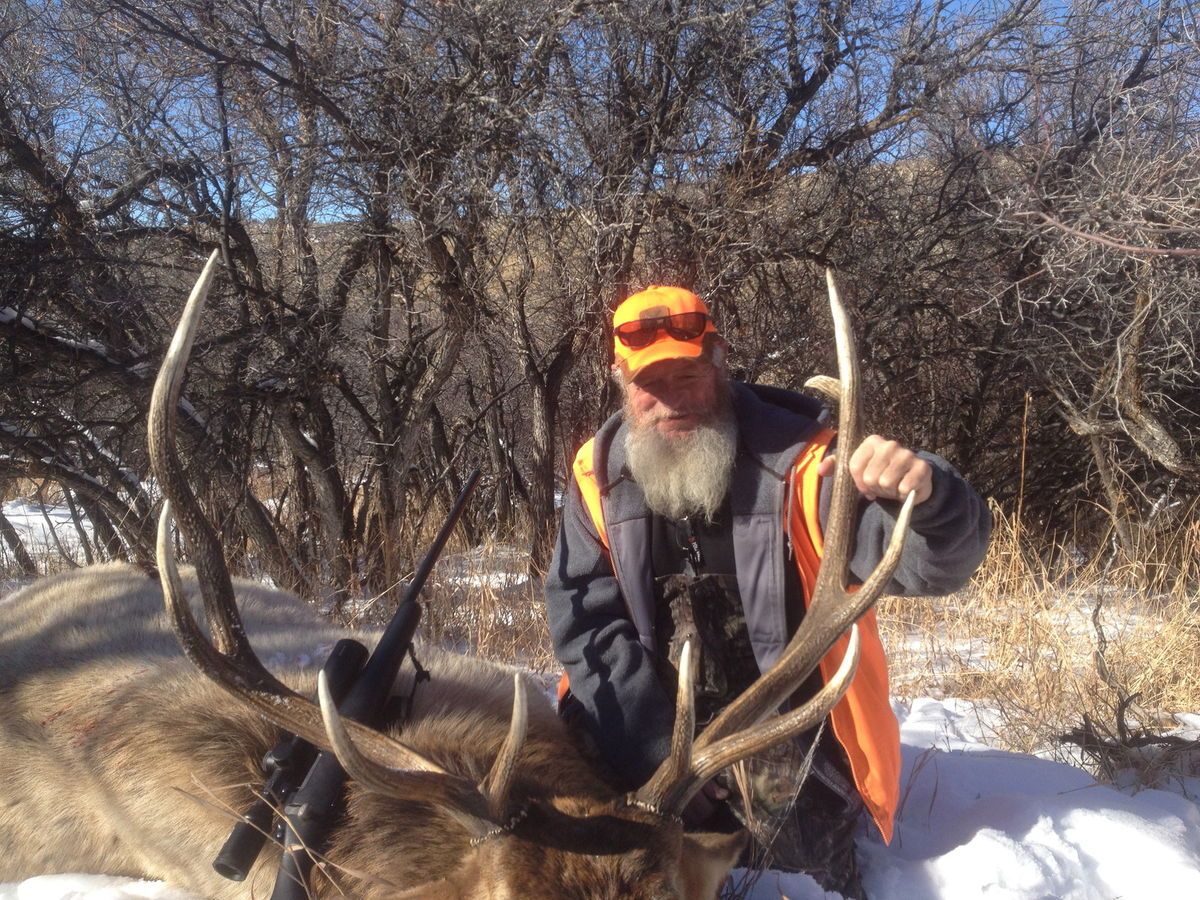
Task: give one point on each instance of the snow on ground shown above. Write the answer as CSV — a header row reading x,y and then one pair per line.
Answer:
x,y
44,530
974,822
497,568
981,822
978,821
88,887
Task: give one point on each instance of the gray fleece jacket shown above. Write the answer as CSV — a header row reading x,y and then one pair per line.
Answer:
x,y
604,635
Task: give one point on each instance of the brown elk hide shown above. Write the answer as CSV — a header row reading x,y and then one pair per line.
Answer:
x,y
118,757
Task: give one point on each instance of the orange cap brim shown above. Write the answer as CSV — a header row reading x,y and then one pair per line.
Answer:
x,y
634,362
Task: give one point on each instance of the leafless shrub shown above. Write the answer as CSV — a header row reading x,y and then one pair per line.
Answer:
x,y
425,215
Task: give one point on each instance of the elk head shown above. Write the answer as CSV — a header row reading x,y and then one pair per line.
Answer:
x,y
512,833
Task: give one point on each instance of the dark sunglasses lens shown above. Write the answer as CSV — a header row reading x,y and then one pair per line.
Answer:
x,y
643,332
636,335
686,326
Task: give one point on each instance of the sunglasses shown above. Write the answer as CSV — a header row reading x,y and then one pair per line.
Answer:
x,y
644,332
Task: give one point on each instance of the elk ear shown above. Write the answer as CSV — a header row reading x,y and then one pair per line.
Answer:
x,y
706,860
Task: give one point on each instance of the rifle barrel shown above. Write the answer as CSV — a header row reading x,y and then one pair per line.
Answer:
x,y
311,810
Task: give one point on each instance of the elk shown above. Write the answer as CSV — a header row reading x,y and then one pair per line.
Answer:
x,y
119,754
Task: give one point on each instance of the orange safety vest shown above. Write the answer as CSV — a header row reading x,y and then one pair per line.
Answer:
x,y
863,721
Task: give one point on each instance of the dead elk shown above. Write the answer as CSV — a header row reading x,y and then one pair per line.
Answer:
x,y
117,756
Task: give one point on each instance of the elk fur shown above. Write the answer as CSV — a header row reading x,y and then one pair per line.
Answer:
x,y
118,757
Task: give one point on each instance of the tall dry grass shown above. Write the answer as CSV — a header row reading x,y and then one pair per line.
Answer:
x,y
483,601
1041,648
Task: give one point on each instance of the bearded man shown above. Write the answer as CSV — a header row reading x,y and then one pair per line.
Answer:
x,y
684,516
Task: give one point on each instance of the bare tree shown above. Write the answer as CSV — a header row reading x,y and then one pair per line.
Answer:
x,y
425,213
1099,203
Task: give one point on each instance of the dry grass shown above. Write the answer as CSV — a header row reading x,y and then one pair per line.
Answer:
x,y
1042,649
483,602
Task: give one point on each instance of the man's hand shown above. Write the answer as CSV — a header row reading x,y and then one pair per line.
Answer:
x,y
884,469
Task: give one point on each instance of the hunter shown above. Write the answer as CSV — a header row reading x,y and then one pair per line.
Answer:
x,y
696,511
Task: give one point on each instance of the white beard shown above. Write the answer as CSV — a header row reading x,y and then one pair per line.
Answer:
x,y
687,475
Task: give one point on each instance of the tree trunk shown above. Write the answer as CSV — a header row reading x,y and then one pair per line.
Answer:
x,y
85,541
493,427
1116,497
542,514
329,495
106,535
20,553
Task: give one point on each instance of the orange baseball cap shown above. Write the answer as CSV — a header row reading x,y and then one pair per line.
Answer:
x,y
660,323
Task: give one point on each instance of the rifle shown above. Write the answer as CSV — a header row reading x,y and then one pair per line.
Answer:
x,y
307,784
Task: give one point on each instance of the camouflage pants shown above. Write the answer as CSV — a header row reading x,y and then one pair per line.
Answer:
x,y
798,826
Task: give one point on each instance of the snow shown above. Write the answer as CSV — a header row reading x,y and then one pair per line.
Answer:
x,y
88,887
498,568
8,315
981,822
974,822
39,526
978,821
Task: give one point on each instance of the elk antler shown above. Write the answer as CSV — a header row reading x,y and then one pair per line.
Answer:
x,y
829,388
748,725
230,661
406,785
